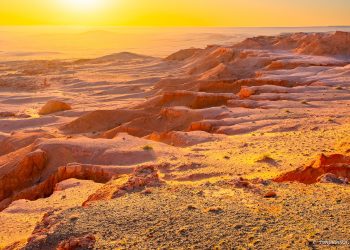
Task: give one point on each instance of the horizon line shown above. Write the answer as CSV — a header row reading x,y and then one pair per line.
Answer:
x,y
170,26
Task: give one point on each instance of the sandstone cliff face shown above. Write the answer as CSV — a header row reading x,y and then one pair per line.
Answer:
x,y
322,44
83,242
141,178
100,120
18,140
33,172
25,179
337,165
191,99
46,187
184,139
183,54
20,174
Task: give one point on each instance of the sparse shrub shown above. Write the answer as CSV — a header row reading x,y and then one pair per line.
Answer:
x,y
264,157
214,210
147,148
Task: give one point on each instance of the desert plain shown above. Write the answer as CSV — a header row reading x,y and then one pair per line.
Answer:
x,y
240,145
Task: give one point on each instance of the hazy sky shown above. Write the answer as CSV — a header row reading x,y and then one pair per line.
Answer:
x,y
176,13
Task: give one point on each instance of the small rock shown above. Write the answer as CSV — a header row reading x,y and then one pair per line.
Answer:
x,y
241,183
183,231
200,193
147,191
73,218
85,242
191,207
332,178
215,210
270,194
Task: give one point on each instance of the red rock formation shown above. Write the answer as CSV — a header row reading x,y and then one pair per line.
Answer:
x,y
221,71
211,58
20,174
182,139
220,86
259,82
183,54
246,92
19,140
83,242
54,106
270,194
162,137
142,177
336,44
178,111
46,187
332,178
201,126
173,84
48,224
276,65
42,230
32,172
331,44
226,63
337,164
250,104
101,120
168,119
253,185
195,100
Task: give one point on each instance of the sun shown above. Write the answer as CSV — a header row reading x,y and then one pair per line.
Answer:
x,y
84,12
81,5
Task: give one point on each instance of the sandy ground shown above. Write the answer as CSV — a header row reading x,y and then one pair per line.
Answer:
x,y
181,152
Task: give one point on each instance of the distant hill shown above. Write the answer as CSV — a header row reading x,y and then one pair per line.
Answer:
x,y
121,56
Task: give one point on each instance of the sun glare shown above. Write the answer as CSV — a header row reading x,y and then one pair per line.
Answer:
x,y
81,5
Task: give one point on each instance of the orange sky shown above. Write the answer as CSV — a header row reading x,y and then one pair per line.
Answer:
x,y
176,13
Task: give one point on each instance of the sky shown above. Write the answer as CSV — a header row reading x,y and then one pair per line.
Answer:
x,y
227,13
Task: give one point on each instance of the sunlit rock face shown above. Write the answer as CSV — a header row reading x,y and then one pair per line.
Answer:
x,y
321,44
54,106
334,168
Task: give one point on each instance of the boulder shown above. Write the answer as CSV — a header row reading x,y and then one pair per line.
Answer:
x,y
54,106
